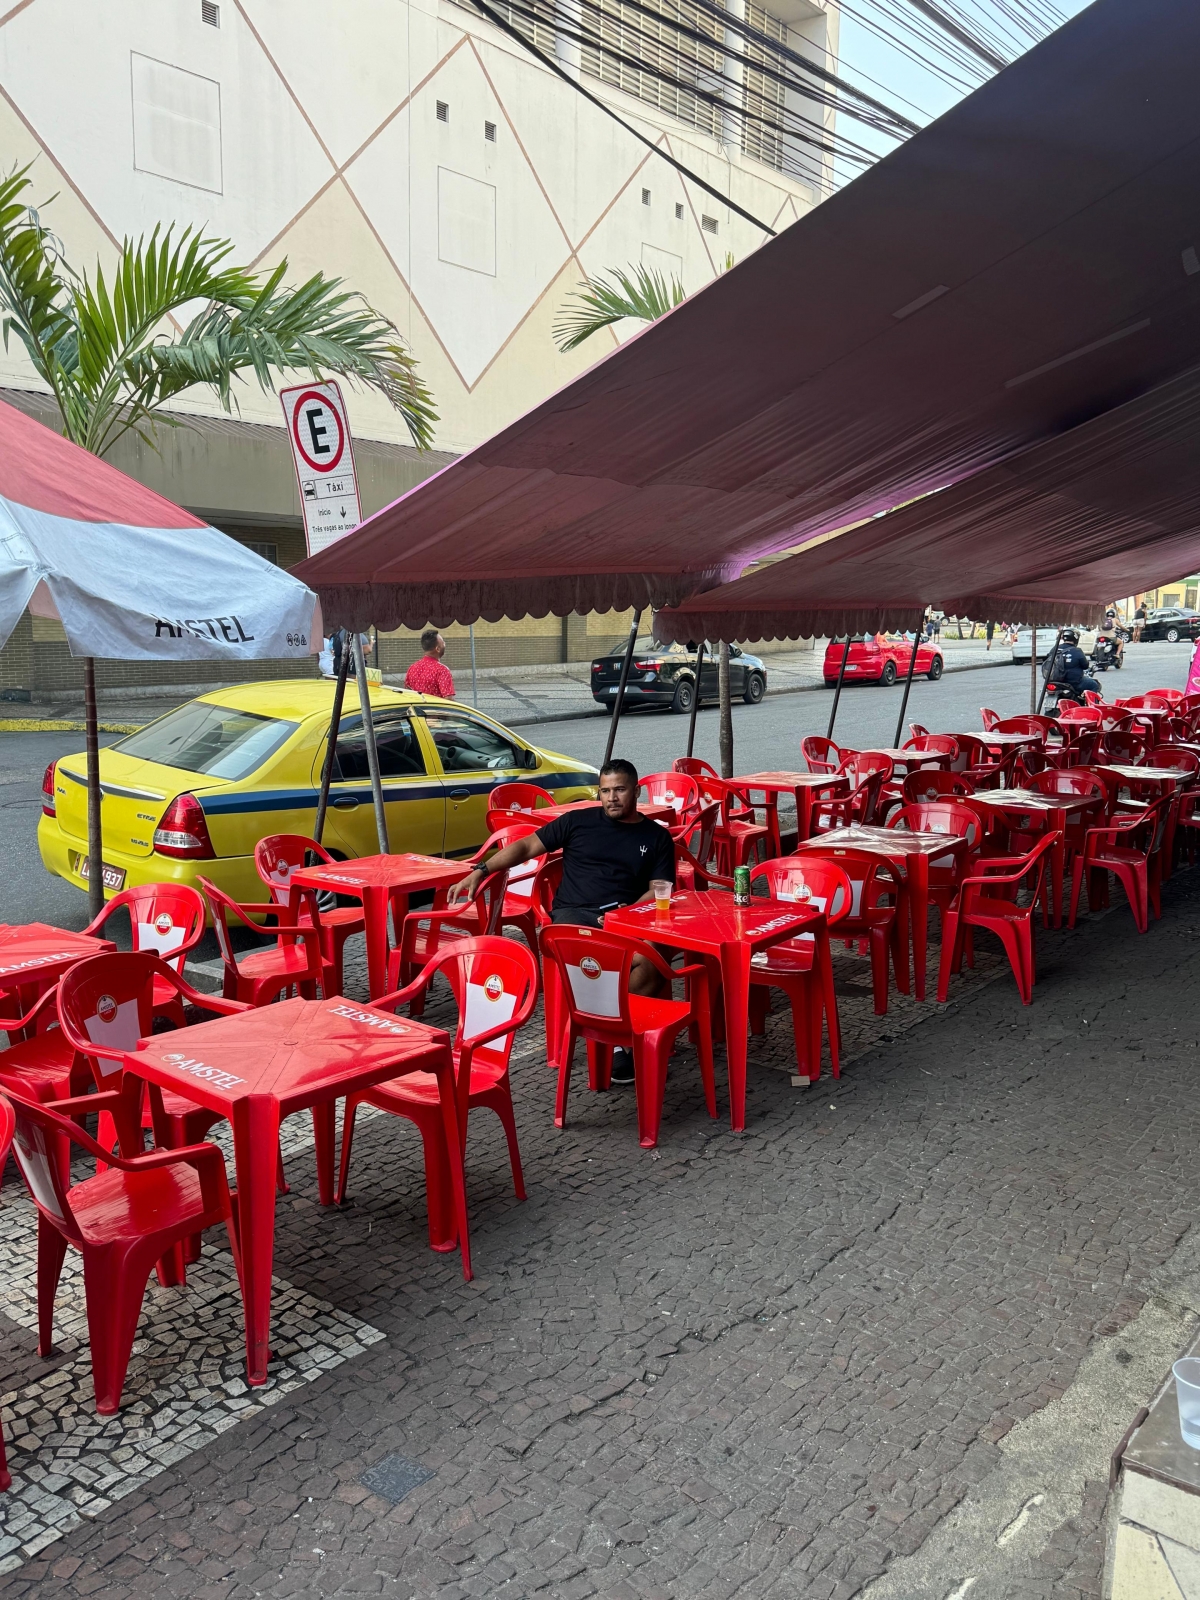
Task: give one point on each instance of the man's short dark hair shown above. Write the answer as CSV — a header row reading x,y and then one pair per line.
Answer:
x,y
429,639
625,768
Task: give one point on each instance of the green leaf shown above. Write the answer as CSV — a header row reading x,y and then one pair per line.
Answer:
x,y
642,293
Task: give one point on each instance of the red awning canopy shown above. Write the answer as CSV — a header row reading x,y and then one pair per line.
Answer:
x,y
1049,536
1026,262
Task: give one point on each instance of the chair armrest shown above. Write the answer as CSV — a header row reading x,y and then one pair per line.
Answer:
x,y
212,1002
17,1024
410,991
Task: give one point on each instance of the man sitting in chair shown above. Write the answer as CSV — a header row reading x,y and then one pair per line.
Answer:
x,y
610,856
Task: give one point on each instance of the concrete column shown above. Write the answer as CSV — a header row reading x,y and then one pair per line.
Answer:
x,y
567,49
734,88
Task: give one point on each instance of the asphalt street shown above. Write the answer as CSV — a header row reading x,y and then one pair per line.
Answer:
x,y
765,736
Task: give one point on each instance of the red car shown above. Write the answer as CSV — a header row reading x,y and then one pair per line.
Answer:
x,y
879,659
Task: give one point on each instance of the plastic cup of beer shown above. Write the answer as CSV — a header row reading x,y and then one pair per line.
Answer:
x,y
660,888
1187,1392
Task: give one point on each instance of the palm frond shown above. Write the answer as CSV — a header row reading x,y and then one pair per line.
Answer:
x,y
642,293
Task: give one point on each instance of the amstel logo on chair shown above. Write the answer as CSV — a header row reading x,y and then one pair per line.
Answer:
x,y
590,967
493,986
106,1008
163,923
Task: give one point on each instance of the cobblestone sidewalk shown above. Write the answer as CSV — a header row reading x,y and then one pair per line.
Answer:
x,y
762,1365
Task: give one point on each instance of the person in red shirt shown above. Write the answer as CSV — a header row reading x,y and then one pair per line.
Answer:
x,y
427,675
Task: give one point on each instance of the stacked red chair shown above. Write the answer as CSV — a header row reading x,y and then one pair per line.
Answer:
x,y
134,1213
930,784
675,789
593,972
495,987
792,965
275,859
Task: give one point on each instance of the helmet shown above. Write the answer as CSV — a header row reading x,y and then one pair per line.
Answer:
x,y
1070,636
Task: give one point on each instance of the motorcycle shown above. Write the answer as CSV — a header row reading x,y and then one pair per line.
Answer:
x,y
1105,654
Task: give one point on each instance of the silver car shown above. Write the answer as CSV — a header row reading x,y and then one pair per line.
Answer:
x,y
1023,644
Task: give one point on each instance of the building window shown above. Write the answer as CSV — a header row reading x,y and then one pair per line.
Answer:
x,y
210,13
176,123
489,132
678,213
269,552
645,197
709,224
660,51
443,111
763,120
535,19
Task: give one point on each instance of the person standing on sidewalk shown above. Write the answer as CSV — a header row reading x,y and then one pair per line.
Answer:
x,y
427,675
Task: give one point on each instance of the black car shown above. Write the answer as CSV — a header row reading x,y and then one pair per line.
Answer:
x,y
1171,623
665,675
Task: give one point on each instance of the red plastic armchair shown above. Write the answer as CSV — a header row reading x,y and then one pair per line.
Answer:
x,y
933,744
866,772
135,1213
677,790
294,961
425,932
1043,727
1078,785
593,973
793,965
495,985
822,755
1123,746
975,761
928,783
983,902
945,816
42,1065
874,916
519,909
275,859
991,719
917,730
519,797
694,853
739,835
165,918
1130,848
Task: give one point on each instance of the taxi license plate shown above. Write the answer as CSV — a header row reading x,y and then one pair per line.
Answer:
x,y
112,877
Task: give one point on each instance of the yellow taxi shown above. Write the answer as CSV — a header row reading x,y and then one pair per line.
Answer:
x,y
191,794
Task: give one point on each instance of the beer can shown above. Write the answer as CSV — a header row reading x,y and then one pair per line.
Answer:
x,y
741,886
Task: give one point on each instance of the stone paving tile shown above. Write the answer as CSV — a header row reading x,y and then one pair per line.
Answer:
x,y
753,1365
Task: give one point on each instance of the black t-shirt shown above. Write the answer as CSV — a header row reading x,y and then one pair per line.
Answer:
x,y
607,863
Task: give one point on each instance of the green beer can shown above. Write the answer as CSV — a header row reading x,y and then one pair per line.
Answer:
x,y
741,886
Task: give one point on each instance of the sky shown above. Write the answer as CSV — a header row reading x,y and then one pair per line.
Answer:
x,y
865,56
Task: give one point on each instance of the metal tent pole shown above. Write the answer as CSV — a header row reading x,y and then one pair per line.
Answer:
x,y
726,711
474,679
364,701
695,698
1033,664
837,693
912,664
616,710
95,828
335,723
1046,681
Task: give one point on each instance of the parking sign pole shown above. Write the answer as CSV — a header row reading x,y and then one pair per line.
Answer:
x,y
364,701
335,723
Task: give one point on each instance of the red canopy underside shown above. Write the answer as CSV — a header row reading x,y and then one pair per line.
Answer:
x,y
42,470
1051,535
1017,267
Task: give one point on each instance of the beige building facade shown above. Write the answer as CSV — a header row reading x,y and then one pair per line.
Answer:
x,y
414,149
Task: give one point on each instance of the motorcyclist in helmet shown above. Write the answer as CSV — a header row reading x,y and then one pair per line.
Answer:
x,y
1069,664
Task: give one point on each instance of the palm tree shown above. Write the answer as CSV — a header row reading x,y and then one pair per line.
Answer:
x,y
642,294
114,355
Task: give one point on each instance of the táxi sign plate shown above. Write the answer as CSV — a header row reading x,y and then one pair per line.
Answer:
x,y
319,433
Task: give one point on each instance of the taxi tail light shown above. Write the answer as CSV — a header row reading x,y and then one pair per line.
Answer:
x,y
48,807
183,831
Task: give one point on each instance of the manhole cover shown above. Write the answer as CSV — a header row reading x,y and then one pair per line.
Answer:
x,y
394,1477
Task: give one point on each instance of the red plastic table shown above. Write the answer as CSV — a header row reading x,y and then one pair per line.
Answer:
x,y
1058,807
1002,741
708,922
260,1066
909,853
800,784
34,955
910,760
379,881
1167,778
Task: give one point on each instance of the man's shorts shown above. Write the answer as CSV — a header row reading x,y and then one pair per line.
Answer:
x,y
578,916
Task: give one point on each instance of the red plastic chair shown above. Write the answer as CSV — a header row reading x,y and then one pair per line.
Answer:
x,y
133,1214
739,835
990,719
876,888
518,910
928,783
593,971
41,1063
295,960
933,744
1123,746
916,731
975,762
166,919
790,966
694,853
1130,848
822,755
1079,785
1163,699
866,772
953,817
1165,755
495,985
675,789
980,906
1027,766
429,930
1044,727
1069,712
519,797
8,1123
275,859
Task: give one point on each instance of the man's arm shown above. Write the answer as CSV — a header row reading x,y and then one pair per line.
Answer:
x,y
527,848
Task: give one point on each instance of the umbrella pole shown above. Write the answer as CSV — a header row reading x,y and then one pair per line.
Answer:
x,y
335,724
95,826
912,665
837,693
364,701
1046,681
695,699
726,734
1033,665
616,710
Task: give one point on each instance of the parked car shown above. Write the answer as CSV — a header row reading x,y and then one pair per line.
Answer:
x,y
191,794
1171,623
879,658
1046,636
665,675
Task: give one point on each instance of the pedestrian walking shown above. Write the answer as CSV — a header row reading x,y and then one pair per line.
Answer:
x,y
428,674
1139,622
991,628
1193,677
